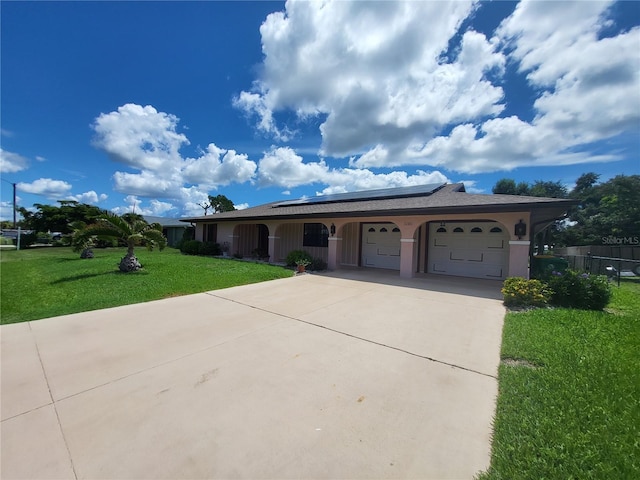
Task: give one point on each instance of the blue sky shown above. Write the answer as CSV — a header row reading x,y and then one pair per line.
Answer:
x,y
158,104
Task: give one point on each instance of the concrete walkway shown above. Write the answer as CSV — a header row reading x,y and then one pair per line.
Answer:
x,y
346,375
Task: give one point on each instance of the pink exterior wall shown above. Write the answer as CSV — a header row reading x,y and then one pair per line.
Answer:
x,y
519,258
345,246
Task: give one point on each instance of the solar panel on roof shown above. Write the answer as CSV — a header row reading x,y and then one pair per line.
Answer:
x,y
384,193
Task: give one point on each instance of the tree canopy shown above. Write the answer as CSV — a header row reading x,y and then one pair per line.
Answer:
x,y
611,208
57,218
220,203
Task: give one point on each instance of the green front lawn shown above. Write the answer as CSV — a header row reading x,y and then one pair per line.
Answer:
x,y
569,393
46,282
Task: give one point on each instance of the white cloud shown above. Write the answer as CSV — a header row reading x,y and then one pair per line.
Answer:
x,y
284,168
140,137
388,91
12,162
6,211
90,197
374,70
155,207
47,187
219,167
147,141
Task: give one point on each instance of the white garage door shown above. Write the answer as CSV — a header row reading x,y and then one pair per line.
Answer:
x,y
478,249
381,245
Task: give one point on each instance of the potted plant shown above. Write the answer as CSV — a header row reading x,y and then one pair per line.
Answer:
x,y
302,264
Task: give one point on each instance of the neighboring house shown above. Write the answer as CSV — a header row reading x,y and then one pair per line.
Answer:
x,y
438,228
172,228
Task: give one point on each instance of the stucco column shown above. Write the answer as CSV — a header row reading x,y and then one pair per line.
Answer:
x,y
335,247
519,258
272,248
406,257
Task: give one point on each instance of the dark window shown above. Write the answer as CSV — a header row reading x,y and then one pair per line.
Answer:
x,y
442,230
476,230
210,232
372,229
458,230
396,229
315,235
496,230
383,230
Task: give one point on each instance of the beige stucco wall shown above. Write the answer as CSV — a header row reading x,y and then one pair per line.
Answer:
x,y
344,248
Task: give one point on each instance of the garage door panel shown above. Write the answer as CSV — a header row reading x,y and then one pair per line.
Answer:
x,y
470,249
381,246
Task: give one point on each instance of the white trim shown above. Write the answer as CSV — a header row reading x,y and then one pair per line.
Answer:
x,y
407,240
335,239
519,242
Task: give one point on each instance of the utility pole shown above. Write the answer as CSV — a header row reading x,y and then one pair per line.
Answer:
x,y
14,201
14,205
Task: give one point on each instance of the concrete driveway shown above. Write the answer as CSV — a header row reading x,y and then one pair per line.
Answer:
x,y
346,375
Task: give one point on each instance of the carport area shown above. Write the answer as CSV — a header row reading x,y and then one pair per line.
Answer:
x,y
354,374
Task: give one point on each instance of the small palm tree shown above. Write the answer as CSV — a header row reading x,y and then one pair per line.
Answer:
x,y
79,241
129,229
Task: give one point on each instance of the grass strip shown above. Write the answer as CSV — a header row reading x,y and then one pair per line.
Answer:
x,y
569,393
47,282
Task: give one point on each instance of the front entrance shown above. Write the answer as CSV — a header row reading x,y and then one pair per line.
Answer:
x,y
468,249
381,245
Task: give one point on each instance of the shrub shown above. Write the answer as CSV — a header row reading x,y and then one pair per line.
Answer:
x,y
295,256
209,248
572,289
317,265
519,292
191,247
28,239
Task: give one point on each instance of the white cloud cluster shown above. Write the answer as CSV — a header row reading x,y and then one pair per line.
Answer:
x,y
47,187
12,162
186,182
147,141
398,83
283,167
90,197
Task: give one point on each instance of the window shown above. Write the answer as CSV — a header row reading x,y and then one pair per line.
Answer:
x,y
383,230
458,230
476,230
315,235
210,232
372,229
395,229
441,230
496,230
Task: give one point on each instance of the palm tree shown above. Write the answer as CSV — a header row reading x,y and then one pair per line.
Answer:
x,y
129,229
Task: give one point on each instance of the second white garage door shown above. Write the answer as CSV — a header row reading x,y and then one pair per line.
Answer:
x,y
478,249
381,245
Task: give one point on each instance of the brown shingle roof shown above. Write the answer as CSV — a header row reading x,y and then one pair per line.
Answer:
x,y
451,198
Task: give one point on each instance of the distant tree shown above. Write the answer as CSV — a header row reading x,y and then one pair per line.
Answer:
x,y
220,203
609,208
549,189
585,182
130,229
506,186
57,218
